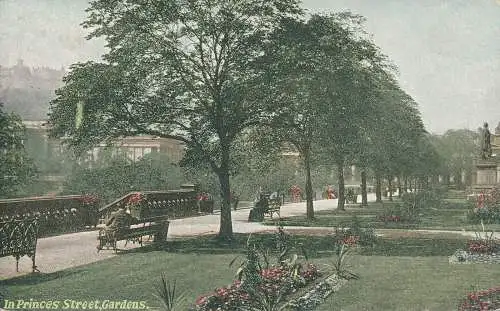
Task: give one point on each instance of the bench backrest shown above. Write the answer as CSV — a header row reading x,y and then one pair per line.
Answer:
x,y
18,237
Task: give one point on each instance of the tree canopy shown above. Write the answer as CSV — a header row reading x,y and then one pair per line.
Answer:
x,y
16,168
174,69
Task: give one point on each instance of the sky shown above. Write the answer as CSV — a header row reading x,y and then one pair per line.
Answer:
x,y
447,51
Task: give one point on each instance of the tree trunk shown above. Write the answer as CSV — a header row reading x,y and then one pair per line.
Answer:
x,y
390,187
400,188
406,185
340,177
378,189
309,190
226,224
364,193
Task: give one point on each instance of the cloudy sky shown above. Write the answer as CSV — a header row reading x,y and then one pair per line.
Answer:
x,y
447,51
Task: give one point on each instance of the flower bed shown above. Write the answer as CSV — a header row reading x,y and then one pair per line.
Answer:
x,y
486,209
483,249
482,300
482,246
275,281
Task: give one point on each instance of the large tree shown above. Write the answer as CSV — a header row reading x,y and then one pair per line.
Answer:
x,y
174,69
315,73
457,149
349,88
16,168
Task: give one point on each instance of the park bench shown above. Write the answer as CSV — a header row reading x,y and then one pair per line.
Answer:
x,y
266,206
156,227
351,195
273,207
18,238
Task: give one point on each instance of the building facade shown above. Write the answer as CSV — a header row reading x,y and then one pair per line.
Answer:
x,y
134,148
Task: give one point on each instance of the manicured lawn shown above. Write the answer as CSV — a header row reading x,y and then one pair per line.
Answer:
x,y
410,284
397,274
453,217
131,276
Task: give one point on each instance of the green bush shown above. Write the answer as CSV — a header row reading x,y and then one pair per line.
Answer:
x,y
422,200
114,177
401,214
487,215
365,236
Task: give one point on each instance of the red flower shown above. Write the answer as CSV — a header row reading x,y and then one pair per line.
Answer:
x,y
351,240
201,300
89,199
136,198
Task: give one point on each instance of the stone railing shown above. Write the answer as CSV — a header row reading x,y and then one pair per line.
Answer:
x,y
54,214
172,203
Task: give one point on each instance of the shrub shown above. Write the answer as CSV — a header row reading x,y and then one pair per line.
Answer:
x,y
422,200
484,214
399,214
486,208
354,234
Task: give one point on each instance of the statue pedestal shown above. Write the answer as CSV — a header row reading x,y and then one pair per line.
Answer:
x,y
487,174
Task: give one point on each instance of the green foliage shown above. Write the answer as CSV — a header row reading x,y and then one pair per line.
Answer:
x,y
365,235
249,268
340,262
261,165
174,69
400,213
422,200
17,169
112,177
49,158
167,294
486,215
457,149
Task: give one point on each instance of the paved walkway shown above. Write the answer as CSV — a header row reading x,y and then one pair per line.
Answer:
x,y
70,250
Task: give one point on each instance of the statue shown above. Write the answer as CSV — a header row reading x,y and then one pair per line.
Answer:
x,y
486,142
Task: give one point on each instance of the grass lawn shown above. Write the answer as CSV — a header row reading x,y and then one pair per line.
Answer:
x,y
450,218
409,284
131,276
397,274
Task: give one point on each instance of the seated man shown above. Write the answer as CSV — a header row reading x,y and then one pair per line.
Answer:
x,y
118,221
273,196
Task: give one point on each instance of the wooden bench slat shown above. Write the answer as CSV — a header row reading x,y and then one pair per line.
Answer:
x,y
146,227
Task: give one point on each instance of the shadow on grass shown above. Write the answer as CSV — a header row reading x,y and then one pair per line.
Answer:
x,y
314,246
414,247
38,277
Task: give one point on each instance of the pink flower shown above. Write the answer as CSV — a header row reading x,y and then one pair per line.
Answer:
x,y
201,300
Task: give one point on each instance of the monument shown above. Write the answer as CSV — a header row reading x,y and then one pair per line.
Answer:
x,y
487,165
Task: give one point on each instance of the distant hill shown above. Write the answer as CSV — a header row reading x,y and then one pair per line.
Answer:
x,y
28,91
